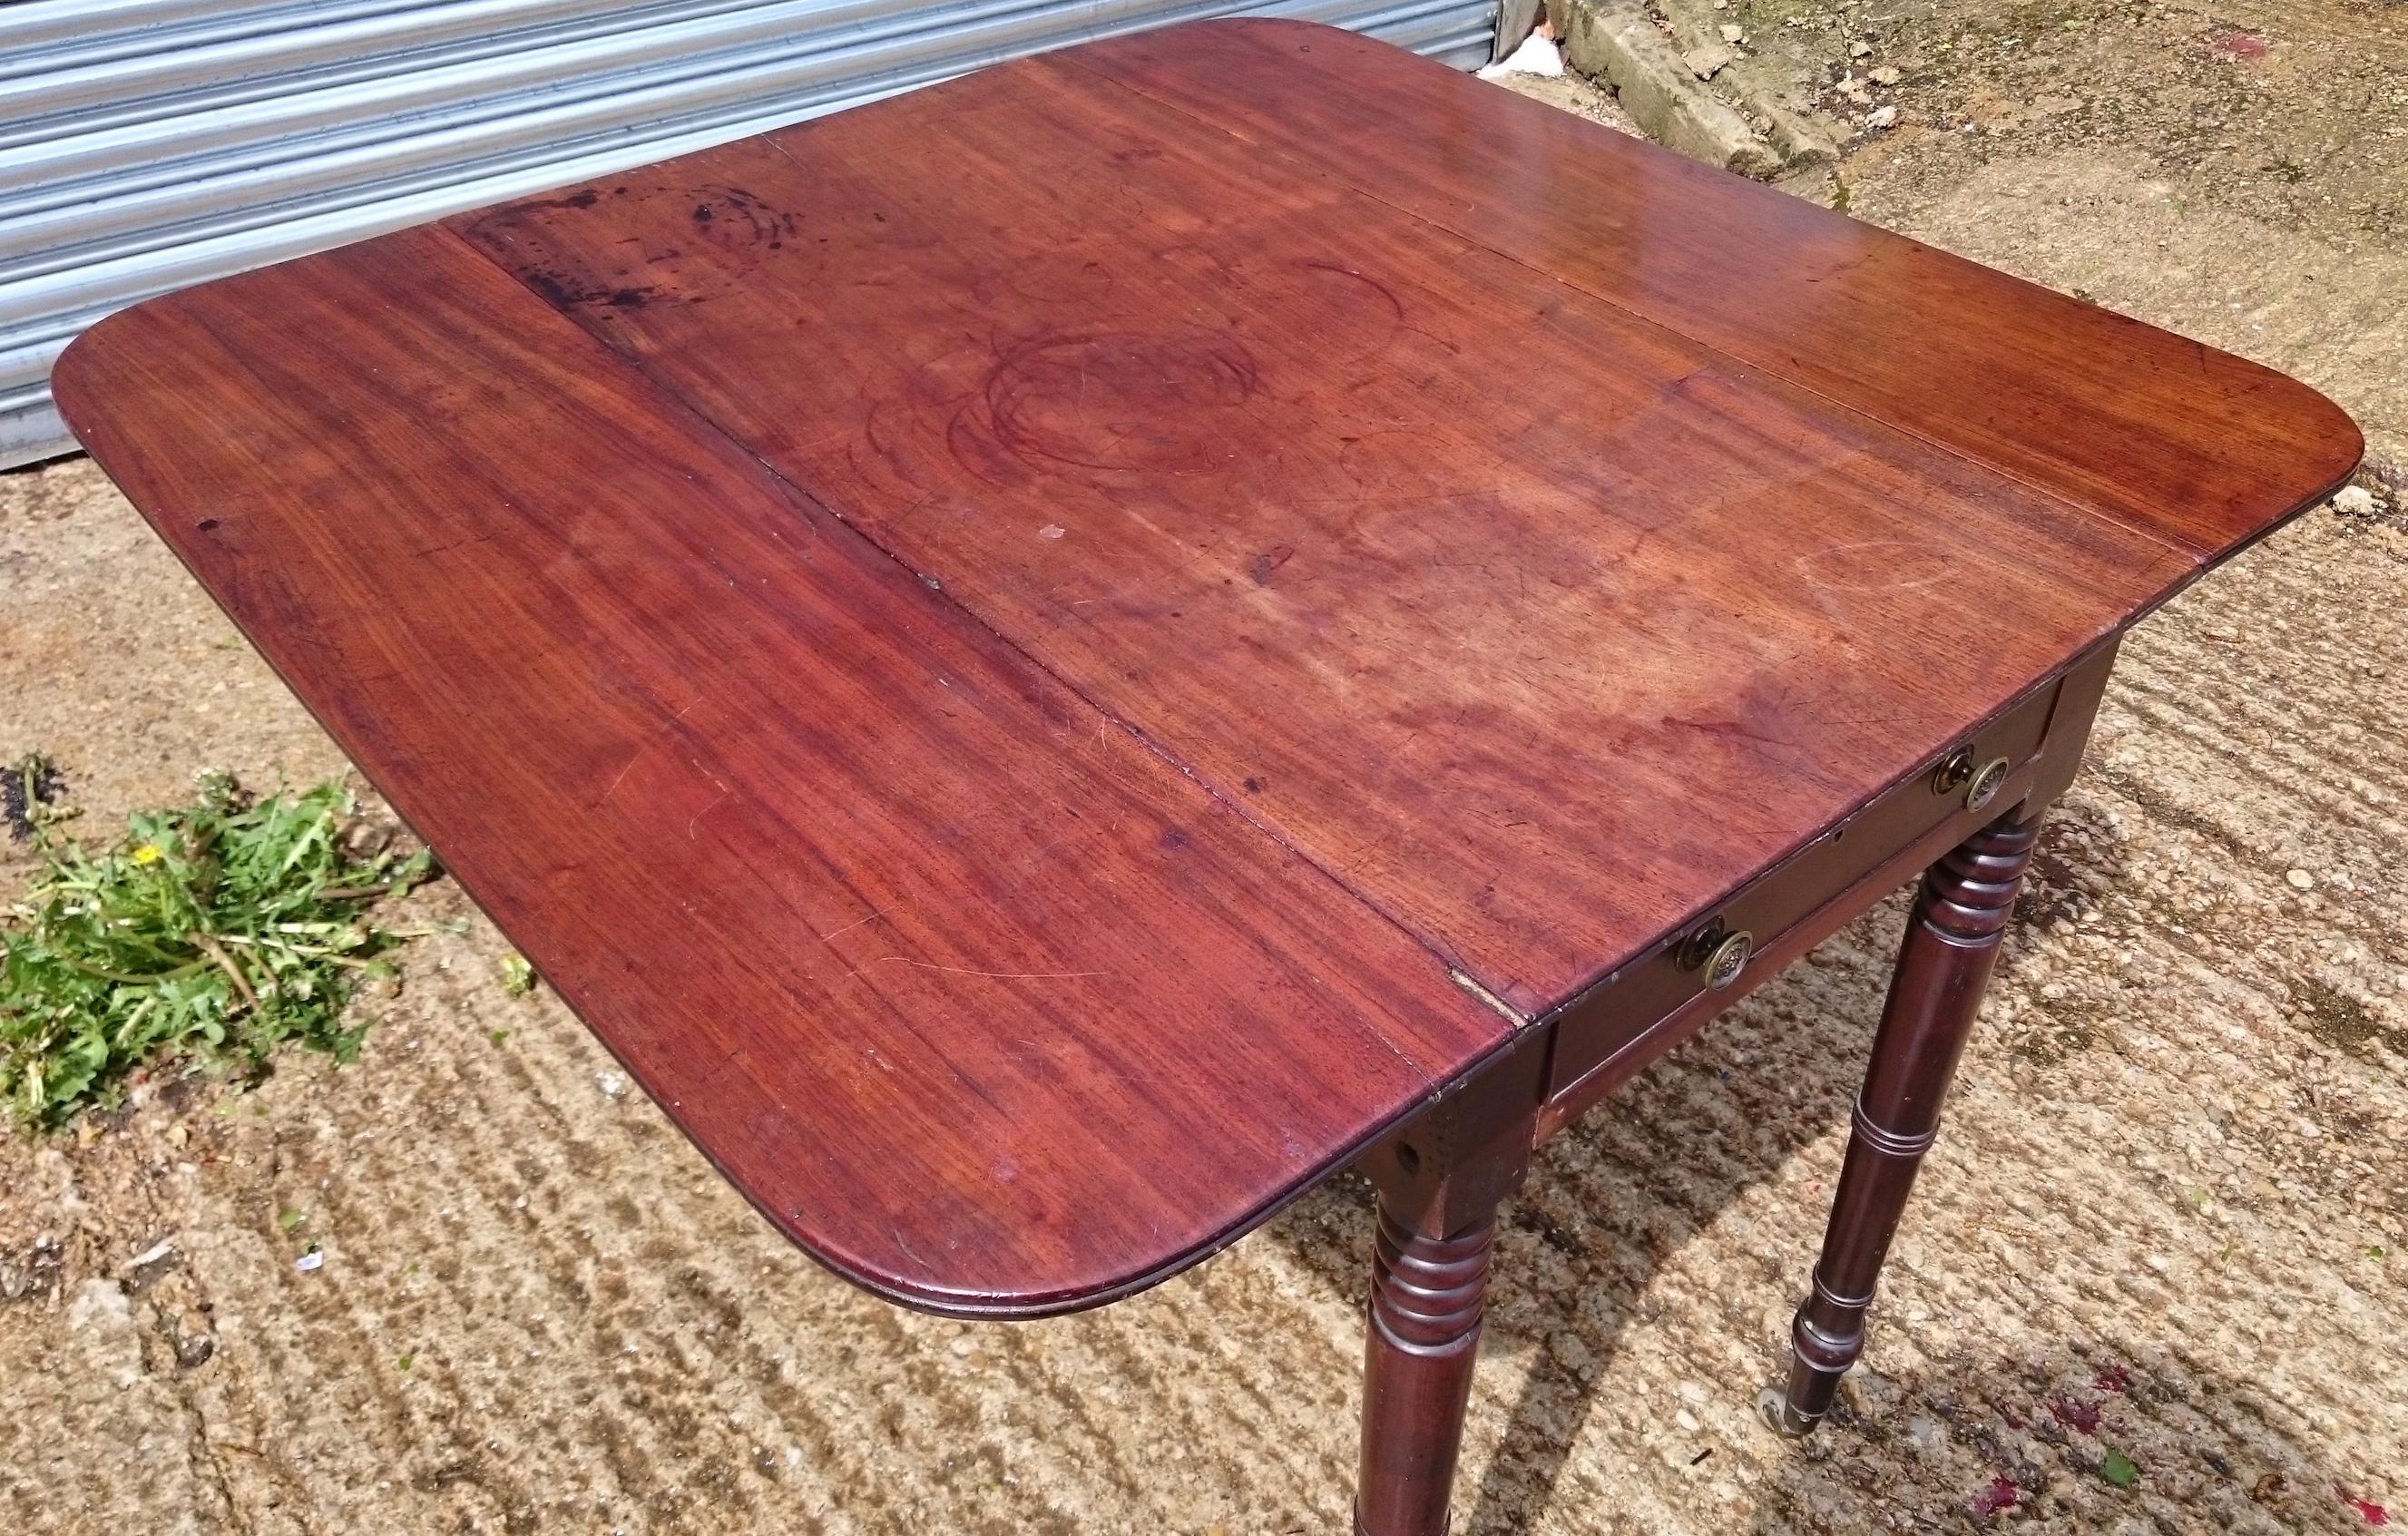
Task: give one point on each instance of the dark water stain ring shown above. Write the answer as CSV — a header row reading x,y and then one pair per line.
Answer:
x,y
1156,402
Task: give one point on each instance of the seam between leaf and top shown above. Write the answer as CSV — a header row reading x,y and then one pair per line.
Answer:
x,y
2197,557
1454,964
2190,563
1160,751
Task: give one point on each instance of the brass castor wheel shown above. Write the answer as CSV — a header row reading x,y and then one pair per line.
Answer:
x,y
1772,1407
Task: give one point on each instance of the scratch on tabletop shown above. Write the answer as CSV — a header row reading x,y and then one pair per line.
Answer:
x,y
989,975
628,768
637,756
831,937
726,794
904,1243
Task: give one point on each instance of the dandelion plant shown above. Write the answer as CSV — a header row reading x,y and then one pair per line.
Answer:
x,y
212,933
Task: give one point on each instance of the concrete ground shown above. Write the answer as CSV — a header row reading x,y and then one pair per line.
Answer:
x,y
2166,1217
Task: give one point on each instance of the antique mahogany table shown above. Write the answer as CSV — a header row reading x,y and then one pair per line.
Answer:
x,y
1051,661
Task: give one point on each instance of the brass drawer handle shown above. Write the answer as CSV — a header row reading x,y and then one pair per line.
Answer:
x,y
1980,783
1717,953
1985,787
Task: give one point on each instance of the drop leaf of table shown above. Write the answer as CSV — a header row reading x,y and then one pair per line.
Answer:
x,y
1052,660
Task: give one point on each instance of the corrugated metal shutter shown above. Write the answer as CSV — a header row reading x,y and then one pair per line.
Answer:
x,y
150,144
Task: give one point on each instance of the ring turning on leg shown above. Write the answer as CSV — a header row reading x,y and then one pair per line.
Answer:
x,y
1426,1295
1952,940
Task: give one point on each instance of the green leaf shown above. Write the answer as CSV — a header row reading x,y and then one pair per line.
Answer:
x,y
288,1219
2120,1469
518,976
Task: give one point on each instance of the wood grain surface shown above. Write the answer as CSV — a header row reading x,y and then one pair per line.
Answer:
x,y
1247,492
1026,653
949,972
2164,434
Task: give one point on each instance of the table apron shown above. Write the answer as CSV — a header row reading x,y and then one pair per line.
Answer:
x,y
1648,1007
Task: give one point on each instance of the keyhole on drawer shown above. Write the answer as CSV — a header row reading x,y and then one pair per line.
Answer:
x,y
1954,773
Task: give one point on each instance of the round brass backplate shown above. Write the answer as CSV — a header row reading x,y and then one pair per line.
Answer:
x,y
1726,960
1985,787
1953,772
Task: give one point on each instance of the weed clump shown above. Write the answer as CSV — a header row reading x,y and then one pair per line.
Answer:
x,y
212,934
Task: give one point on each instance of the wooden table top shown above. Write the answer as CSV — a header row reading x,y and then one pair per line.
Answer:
x,y
1046,658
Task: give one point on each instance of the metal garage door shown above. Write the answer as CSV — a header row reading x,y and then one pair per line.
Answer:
x,y
149,144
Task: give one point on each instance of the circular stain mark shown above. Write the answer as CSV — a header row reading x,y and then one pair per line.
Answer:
x,y
1877,565
1354,316
1158,403
734,218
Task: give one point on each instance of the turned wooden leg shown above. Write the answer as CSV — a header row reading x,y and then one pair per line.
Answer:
x,y
1422,1340
1439,1182
1951,943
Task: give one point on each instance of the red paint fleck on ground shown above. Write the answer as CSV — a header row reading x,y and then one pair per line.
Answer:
x,y
2000,1495
2234,43
2114,1379
2374,1514
2075,1415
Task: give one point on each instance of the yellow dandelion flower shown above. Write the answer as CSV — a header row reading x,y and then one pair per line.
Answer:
x,y
148,853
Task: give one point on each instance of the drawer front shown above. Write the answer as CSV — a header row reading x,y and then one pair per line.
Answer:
x,y
1627,1005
